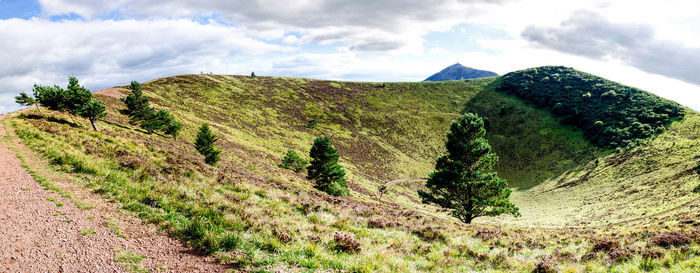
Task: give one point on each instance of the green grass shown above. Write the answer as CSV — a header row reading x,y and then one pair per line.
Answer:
x,y
252,215
87,231
129,260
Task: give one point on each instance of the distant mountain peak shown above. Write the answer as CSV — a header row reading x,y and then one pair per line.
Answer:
x,y
459,72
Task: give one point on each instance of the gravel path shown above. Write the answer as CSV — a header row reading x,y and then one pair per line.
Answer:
x,y
40,231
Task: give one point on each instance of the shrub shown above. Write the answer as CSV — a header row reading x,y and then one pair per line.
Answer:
x,y
430,234
672,238
205,145
312,124
545,265
292,161
604,245
347,243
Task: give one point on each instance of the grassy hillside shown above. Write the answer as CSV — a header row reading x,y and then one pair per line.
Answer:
x,y
253,215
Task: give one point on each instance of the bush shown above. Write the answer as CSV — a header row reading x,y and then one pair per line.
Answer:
x,y
545,265
347,243
671,238
610,114
292,161
430,234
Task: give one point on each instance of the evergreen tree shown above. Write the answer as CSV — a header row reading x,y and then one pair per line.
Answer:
x,y
292,161
137,106
205,145
252,74
324,168
25,100
463,181
75,97
93,111
157,121
49,96
173,128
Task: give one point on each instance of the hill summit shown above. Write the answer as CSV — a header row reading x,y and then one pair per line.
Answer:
x,y
459,72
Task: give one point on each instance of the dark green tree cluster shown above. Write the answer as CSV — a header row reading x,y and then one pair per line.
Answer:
x,y
139,110
205,145
610,114
293,161
325,170
75,99
464,182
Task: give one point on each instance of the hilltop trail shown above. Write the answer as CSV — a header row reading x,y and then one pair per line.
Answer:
x,y
42,231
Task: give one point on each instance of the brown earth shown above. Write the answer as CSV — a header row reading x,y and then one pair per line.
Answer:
x,y
43,231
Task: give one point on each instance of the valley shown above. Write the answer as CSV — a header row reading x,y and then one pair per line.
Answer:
x,y
585,207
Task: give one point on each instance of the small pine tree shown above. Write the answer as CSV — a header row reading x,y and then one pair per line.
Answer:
x,y
324,168
173,128
292,161
153,121
252,74
93,111
205,145
137,106
25,100
463,181
50,97
76,97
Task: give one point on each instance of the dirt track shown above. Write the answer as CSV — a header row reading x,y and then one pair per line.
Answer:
x,y
41,231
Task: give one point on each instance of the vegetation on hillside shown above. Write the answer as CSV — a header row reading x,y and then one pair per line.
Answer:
x,y
610,114
75,99
253,216
138,108
464,182
293,161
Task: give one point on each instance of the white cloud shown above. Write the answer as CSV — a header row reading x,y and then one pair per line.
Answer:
x,y
105,53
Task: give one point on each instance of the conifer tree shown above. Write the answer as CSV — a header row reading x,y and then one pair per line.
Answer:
x,y
173,128
205,145
75,97
292,161
324,168
137,106
463,181
25,100
93,111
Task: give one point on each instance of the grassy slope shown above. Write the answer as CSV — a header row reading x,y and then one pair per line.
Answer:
x,y
248,208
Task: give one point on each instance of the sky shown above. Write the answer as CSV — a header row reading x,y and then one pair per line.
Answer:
x,y
652,45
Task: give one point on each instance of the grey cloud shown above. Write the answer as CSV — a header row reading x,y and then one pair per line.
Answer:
x,y
377,46
590,35
312,18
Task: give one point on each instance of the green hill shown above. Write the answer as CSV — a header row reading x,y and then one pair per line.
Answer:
x,y
252,215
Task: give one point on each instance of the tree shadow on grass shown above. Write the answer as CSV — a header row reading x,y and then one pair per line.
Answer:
x,y
532,144
51,119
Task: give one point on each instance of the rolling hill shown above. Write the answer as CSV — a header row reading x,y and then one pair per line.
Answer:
x,y
585,206
459,72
